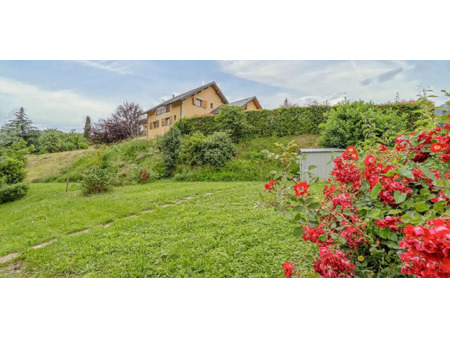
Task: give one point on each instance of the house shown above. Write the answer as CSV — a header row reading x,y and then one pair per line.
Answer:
x,y
250,103
200,101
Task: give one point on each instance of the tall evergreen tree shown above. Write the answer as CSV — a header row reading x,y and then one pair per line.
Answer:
x,y
87,127
21,127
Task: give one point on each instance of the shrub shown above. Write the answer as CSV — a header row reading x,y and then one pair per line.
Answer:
x,y
12,192
370,203
126,122
292,120
191,149
96,180
170,147
233,120
217,149
355,122
12,171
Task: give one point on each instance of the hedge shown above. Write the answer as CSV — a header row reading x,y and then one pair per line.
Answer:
x,y
285,121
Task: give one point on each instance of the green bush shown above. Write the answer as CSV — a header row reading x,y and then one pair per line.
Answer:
x,y
357,123
53,140
191,149
284,121
12,192
96,180
233,120
12,171
218,148
169,145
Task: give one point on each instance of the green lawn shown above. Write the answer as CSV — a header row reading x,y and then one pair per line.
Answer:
x,y
195,229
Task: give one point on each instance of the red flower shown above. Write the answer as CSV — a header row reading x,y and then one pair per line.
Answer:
x,y
351,149
328,190
354,156
301,188
269,185
436,147
383,147
289,269
445,158
369,160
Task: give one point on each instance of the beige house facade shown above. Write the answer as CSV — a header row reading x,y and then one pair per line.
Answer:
x,y
204,100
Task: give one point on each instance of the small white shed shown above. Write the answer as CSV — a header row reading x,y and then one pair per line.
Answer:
x,y
322,158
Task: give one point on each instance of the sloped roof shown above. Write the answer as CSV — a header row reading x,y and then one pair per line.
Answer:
x,y
189,93
240,103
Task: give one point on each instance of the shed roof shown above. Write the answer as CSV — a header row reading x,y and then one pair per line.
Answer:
x,y
189,93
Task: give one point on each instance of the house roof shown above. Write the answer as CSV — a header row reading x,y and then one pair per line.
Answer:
x,y
189,93
240,103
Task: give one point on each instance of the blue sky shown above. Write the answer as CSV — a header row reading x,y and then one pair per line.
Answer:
x,y
59,94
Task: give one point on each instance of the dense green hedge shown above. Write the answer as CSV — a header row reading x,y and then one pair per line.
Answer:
x,y
285,121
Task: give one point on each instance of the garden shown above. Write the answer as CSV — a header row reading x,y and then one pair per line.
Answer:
x,y
192,203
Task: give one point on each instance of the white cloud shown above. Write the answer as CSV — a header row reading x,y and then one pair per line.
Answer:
x,y
110,66
64,109
331,80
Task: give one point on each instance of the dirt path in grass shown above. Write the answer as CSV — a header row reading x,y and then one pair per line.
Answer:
x,y
16,266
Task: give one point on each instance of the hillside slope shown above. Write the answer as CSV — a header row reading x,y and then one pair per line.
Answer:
x,y
130,158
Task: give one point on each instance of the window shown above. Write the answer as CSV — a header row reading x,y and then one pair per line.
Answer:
x,y
174,118
212,106
156,124
168,121
160,110
198,102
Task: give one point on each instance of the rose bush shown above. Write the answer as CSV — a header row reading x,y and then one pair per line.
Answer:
x,y
384,213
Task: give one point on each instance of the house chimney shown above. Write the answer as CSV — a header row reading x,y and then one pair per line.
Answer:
x,y
173,95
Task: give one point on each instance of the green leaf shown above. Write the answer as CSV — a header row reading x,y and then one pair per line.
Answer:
x,y
299,231
334,236
392,236
421,206
428,173
311,167
405,172
375,191
323,238
374,213
338,208
424,192
347,212
314,205
399,197
407,204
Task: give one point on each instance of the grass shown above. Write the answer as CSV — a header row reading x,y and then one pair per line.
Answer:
x,y
217,233
47,166
250,163
131,157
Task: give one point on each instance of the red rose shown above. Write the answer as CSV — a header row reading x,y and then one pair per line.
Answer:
x,y
354,156
351,149
436,147
301,188
269,185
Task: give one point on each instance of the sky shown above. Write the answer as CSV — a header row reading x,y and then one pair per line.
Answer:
x,y
60,94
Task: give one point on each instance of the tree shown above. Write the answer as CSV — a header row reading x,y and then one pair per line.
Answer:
x,y
20,127
126,122
87,128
